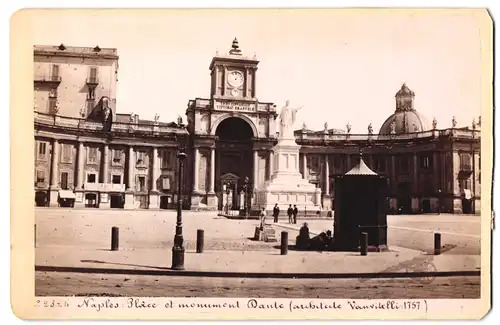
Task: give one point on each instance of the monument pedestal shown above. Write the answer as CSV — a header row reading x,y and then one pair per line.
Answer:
x,y
286,185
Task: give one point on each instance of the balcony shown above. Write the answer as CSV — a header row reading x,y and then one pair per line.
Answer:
x,y
52,80
104,187
92,81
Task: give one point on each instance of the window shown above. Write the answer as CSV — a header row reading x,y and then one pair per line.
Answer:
x,y
66,149
426,161
92,155
166,159
117,156
465,162
93,75
52,105
55,72
140,158
42,149
142,184
53,93
166,184
116,179
91,178
40,176
64,180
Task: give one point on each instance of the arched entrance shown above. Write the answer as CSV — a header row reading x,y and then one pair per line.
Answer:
x,y
234,160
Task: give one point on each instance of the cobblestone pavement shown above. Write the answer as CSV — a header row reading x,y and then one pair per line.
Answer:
x,y
91,228
69,284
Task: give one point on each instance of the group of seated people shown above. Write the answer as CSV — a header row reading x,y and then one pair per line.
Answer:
x,y
323,241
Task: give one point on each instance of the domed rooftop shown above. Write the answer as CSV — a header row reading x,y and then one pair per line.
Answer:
x,y
405,119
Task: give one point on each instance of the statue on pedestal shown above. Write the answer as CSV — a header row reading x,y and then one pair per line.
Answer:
x,y
287,119
157,117
434,124
370,129
453,122
348,127
326,127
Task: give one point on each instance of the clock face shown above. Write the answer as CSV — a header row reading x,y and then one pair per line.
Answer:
x,y
235,78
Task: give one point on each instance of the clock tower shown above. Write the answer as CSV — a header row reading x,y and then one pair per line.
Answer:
x,y
233,75
231,134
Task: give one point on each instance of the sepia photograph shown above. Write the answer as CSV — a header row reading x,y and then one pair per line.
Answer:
x,y
243,161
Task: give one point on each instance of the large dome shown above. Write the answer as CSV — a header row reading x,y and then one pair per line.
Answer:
x,y
405,119
405,122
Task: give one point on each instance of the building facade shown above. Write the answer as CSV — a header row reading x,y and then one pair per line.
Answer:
x,y
96,157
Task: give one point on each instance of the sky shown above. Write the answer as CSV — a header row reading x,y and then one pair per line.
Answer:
x,y
342,66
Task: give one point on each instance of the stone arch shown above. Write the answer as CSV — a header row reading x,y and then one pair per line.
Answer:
x,y
238,115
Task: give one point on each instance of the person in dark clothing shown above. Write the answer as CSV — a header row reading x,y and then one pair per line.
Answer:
x,y
290,213
276,212
295,212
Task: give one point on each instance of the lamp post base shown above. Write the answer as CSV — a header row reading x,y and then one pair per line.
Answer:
x,y
178,258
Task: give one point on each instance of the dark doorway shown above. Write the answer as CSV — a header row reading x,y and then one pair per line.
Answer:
x,y
466,206
91,200
234,152
404,198
164,200
116,201
426,206
41,199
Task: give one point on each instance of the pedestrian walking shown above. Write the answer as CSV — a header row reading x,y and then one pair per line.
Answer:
x,y
290,213
262,218
295,212
276,212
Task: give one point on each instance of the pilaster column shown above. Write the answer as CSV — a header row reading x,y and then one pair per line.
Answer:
x,y
130,184
197,167
271,163
348,163
254,83
327,174
304,173
415,174
255,168
212,171
79,179
55,162
154,166
223,84
105,164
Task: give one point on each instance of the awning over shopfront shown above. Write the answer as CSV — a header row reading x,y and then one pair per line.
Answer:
x,y
66,194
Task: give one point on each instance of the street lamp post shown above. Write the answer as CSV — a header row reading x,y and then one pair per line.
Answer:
x,y
228,191
178,248
439,201
245,187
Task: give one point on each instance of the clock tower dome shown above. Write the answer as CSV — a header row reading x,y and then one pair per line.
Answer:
x,y
233,75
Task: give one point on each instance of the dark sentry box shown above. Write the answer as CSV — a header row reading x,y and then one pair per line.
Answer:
x,y
360,206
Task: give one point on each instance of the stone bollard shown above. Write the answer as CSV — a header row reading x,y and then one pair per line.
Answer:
x,y
437,244
115,238
200,240
284,243
364,244
35,235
